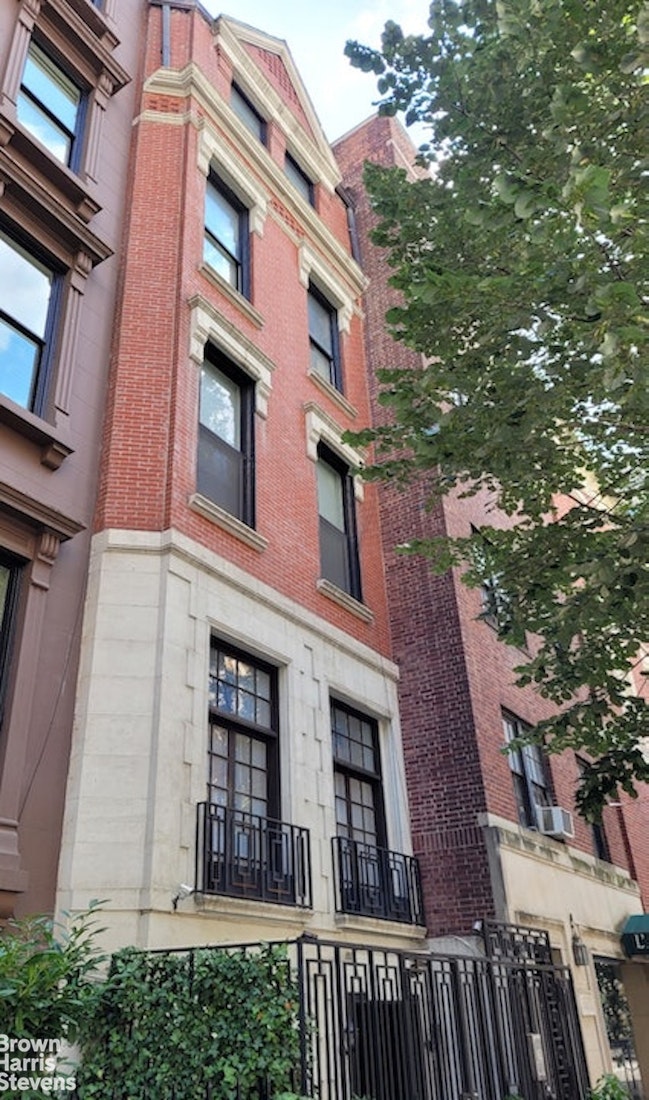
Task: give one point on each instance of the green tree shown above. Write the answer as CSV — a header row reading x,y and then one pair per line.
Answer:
x,y
521,259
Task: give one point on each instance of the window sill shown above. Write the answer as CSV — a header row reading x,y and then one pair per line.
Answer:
x,y
357,923
54,449
339,596
66,182
227,522
333,393
233,295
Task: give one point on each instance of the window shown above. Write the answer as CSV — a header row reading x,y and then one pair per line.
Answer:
x,y
226,437
598,833
25,324
248,114
49,106
357,777
338,544
244,850
226,246
529,773
9,580
299,179
323,339
243,733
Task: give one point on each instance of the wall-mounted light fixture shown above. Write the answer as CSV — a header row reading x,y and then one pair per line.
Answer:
x,y
579,949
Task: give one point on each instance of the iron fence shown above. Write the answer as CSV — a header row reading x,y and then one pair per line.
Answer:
x,y
377,1024
375,882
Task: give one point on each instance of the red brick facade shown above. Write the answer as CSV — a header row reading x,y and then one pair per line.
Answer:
x,y
456,678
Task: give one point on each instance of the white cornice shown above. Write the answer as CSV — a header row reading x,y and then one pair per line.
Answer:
x,y
190,81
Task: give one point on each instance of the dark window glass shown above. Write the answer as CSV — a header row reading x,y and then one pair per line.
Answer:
x,y
598,832
226,438
357,777
299,179
243,733
49,105
26,295
338,544
529,773
9,581
323,339
248,114
226,236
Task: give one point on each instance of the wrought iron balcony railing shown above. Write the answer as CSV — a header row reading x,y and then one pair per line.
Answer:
x,y
374,882
246,856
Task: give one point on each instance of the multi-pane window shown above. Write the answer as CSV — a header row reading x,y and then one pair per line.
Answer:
x,y
529,773
338,544
25,300
225,472
357,777
226,247
243,733
323,338
9,578
299,178
248,114
50,105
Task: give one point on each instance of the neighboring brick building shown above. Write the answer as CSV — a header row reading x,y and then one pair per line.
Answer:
x,y
237,725
65,117
473,815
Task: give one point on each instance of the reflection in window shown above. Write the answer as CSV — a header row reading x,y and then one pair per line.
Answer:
x,y
48,104
226,236
26,286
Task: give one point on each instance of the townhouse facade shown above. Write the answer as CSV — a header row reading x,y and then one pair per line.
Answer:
x,y
65,110
236,770
496,835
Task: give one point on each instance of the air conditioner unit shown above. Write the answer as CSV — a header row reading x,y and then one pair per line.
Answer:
x,y
555,821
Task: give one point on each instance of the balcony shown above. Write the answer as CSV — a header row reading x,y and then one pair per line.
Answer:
x,y
373,882
244,856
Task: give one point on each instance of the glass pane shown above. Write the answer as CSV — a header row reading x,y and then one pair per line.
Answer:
x,y
219,743
227,698
26,287
330,495
242,782
246,676
43,128
321,363
357,754
259,806
222,220
263,684
263,713
259,784
227,268
259,754
298,178
227,669
246,113
221,405
51,87
19,359
246,706
320,321
341,812
242,748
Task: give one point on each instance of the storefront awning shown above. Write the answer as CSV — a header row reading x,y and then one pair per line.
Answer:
x,y
635,935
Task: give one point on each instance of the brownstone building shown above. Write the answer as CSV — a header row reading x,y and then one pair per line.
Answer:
x,y
496,835
65,114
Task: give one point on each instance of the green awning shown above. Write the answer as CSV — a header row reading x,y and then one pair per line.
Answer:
x,y
635,935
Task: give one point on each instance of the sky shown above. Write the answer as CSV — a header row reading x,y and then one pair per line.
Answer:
x,y
316,36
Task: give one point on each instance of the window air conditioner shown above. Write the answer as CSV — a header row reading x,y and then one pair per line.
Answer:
x,y
555,821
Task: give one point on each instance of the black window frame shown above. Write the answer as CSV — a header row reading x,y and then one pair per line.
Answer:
x,y
597,830
235,724
8,621
528,766
332,538
236,498
332,353
74,136
354,771
239,98
46,344
302,183
240,261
